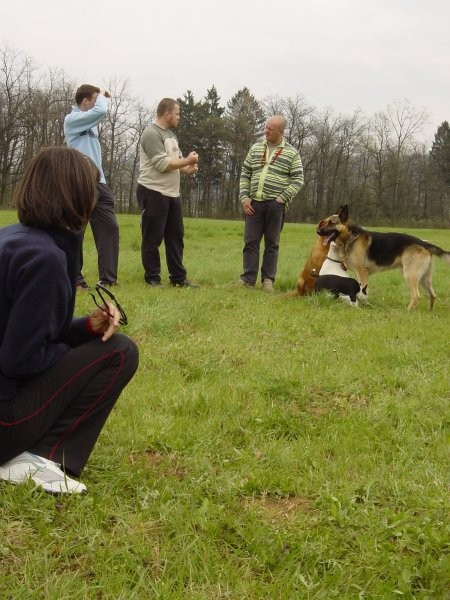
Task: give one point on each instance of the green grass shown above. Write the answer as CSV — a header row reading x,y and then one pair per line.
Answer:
x,y
268,447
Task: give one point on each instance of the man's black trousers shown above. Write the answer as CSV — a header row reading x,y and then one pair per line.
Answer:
x,y
161,219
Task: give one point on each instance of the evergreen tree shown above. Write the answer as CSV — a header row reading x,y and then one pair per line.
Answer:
x,y
187,131
244,123
188,134
440,169
440,152
211,153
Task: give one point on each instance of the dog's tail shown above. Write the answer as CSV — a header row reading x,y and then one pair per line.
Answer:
x,y
439,252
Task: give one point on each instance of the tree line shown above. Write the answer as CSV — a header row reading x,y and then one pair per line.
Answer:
x,y
373,163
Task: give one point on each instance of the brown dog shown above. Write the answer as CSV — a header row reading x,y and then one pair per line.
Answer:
x,y
367,252
306,281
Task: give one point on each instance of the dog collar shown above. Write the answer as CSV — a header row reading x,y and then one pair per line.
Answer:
x,y
336,261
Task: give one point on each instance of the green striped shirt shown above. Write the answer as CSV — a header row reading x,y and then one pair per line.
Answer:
x,y
277,176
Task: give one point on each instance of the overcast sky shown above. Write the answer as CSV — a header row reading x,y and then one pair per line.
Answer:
x,y
345,54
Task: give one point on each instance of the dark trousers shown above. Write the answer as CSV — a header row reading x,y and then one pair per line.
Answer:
x,y
161,219
106,236
267,222
60,413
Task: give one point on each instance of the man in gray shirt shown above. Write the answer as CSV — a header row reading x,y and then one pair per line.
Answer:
x,y
158,195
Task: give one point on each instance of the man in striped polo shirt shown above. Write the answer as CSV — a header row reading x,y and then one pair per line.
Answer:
x,y
272,175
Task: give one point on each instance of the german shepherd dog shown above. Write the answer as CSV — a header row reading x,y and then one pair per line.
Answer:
x,y
367,252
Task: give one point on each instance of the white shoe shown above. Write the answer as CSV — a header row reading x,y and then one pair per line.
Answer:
x,y
45,473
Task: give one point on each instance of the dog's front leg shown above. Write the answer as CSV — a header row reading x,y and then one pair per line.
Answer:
x,y
363,279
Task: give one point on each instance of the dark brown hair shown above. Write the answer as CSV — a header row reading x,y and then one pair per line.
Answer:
x,y
165,105
58,189
85,91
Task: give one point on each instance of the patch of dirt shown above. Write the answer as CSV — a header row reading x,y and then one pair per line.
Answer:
x,y
276,509
167,464
323,402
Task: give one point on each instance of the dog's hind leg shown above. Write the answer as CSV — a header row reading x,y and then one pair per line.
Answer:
x,y
417,269
299,287
413,284
427,285
346,299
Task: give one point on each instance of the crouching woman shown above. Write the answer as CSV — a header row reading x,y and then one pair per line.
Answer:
x,y
60,376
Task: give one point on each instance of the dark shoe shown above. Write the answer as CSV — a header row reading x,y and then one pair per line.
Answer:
x,y
243,283
81,286
107,283
154,283
185,283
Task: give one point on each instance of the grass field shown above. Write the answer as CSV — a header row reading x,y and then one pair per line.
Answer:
x,y
269,446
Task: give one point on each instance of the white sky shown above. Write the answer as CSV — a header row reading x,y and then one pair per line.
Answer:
x,y
345,54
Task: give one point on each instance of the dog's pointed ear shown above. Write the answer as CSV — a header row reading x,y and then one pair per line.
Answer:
x,y
343,213
364,289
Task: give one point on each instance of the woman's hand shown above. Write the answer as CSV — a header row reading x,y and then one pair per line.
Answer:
x,y
105,321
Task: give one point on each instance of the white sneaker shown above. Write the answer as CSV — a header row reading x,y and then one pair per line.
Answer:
x,y
45,473
267,285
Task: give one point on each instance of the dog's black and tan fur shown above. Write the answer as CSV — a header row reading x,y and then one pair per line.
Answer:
x,y
367,252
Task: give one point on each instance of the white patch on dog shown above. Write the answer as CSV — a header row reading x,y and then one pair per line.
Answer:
x,y
333,264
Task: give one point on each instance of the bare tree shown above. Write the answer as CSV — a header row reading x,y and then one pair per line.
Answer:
x,y
405,122
16,72
139,119
116,141
298,114
46,108
394,132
